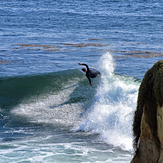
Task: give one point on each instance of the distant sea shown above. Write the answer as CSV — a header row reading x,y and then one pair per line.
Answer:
x,y
48,111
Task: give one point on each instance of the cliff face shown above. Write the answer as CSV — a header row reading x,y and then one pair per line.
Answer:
x,y
148,118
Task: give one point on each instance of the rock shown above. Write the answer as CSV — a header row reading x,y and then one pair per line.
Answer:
x,y
148,118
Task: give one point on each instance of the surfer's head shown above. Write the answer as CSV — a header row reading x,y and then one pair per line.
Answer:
x,y
84,70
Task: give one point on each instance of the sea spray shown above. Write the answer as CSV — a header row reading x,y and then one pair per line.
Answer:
x,y
111,114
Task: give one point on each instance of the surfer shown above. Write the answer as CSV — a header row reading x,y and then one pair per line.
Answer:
x,y
90,73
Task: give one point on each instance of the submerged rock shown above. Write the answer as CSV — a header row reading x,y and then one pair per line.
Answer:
x,y
148,118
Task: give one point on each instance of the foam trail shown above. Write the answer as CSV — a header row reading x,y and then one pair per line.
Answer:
x,y
112,112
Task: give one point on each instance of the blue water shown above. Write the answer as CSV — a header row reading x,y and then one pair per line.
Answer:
x,y
48,110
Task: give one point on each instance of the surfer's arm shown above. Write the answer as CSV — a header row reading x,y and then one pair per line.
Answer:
x,y
84,65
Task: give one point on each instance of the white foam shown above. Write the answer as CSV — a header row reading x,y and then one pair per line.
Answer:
x,y
112,113
35,150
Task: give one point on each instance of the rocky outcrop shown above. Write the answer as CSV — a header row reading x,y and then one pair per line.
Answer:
x,y
148,118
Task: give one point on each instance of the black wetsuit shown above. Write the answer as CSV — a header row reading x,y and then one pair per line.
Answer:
x,y
91,73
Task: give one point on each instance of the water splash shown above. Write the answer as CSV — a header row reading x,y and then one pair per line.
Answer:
x,y
112,112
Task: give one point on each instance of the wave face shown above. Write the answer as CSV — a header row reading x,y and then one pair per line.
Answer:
x,y
55,98
111,114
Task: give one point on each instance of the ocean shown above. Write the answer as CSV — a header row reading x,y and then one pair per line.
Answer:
x,y
48,111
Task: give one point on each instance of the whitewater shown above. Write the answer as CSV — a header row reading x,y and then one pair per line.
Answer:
x,y
111,114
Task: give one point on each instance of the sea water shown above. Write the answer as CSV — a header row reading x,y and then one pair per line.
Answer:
x,y
48,110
